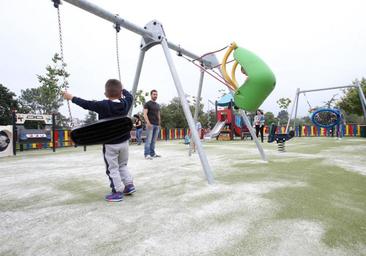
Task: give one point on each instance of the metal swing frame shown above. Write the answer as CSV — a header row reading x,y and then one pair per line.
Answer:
x,y
299,92
153,34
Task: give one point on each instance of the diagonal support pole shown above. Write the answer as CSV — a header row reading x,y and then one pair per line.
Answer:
x,y
251,130
196,110
187,113
137,78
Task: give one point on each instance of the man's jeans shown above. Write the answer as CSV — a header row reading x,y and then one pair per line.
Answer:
x,y
151,136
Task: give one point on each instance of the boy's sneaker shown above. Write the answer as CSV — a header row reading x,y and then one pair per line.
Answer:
x,y
155,156
114,197
129,189
148,157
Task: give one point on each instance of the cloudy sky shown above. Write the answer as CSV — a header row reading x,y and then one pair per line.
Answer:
x,y
308,44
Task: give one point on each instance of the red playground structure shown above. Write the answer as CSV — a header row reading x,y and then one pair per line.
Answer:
x,y
231,125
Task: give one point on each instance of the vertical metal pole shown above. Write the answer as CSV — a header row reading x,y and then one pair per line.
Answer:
x,y
362,98
15,134
231,125
196,110
296,106
292,111
216,111
137,78
252,133
53,132
187,113
198,97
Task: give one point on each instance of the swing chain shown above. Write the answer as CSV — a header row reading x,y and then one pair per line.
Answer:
x,y
64,82
118,28
307,101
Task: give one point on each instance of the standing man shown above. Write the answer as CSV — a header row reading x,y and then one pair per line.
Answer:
x,y
152,120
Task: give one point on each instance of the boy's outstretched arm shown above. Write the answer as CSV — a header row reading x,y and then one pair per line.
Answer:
x,y
85,104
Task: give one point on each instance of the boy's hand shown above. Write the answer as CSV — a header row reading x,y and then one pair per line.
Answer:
x,y
67,96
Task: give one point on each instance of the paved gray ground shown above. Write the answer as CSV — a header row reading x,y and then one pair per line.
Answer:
x,y
307,201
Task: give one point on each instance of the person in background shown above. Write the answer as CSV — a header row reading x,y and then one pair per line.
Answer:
x,y
138,126
152,119
259,123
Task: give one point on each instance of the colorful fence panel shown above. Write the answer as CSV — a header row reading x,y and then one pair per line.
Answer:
x,y
348,130
173,134
62,137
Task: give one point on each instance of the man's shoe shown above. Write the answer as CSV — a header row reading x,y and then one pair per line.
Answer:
x,y
129,189
148,157
155,156
114,197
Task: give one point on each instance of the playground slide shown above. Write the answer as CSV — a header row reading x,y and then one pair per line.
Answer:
x,y
238,124
215,131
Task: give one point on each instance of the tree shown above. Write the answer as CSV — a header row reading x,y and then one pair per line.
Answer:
x,y
140,98
46,98
63,121
7,104
282,116
283,104
211,119
91,117
331,103
350,102
192,107
172,115
29,100
269,118
203,118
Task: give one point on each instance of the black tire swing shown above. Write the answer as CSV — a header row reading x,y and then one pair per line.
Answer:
x,y
101,131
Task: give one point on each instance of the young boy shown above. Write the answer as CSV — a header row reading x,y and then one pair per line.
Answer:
x,y
115,152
